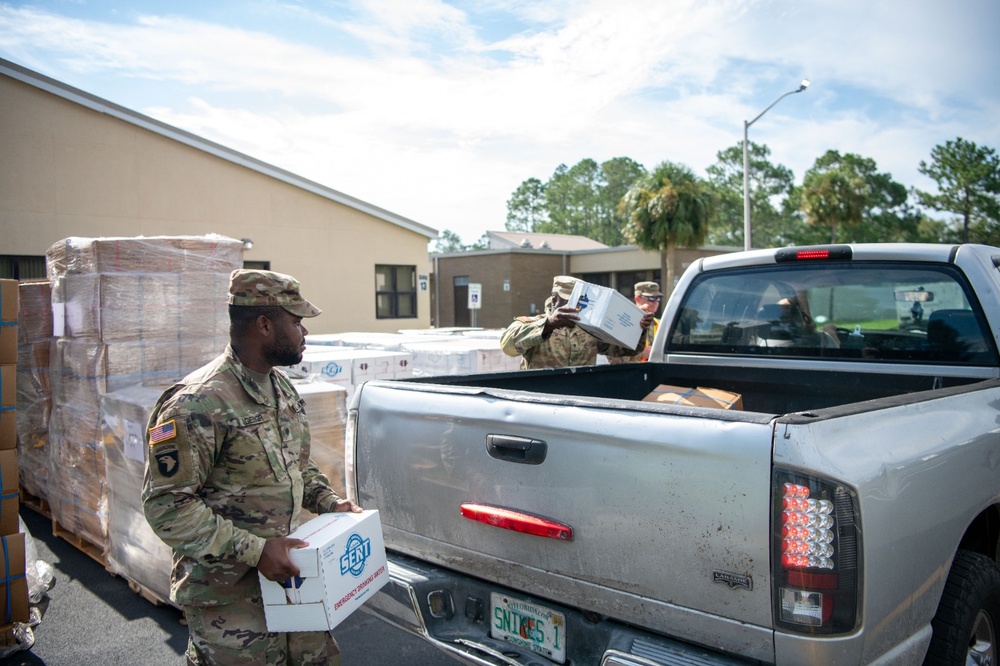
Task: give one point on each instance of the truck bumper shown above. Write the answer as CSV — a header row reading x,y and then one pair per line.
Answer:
x,y
453,613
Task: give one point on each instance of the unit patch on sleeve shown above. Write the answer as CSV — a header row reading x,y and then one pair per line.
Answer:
x,y
167,461
162,433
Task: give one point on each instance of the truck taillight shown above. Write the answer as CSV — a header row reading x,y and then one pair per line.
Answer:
x,y
816,538
806,534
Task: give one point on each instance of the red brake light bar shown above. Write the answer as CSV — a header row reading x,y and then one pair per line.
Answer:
x,y
518,521
825,253
813,254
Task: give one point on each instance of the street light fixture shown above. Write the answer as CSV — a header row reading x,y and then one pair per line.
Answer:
x,y
746,163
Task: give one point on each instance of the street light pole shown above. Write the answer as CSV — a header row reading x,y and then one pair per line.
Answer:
x,y
746,163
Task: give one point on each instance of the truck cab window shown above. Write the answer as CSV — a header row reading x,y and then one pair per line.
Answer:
x,y
835,312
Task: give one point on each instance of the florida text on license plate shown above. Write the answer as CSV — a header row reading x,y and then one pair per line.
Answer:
x,y
529,625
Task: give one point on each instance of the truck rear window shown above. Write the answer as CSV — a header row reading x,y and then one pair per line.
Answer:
x,y
874,312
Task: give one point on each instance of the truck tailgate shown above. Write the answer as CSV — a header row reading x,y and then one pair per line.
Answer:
x,y
672,524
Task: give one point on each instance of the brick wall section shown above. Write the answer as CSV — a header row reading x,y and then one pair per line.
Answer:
x,y
530,278
530,273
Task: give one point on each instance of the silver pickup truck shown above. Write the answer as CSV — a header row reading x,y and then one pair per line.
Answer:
x,y
845,511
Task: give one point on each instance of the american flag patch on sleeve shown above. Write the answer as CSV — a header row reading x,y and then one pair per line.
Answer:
x,y
162,433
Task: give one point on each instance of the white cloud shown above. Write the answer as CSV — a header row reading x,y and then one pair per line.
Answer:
x,y
437,119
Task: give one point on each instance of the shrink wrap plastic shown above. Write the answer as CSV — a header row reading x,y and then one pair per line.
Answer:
x,y
40,577
461,356
145,254
458,354
125,311
326,407
134,551
34,390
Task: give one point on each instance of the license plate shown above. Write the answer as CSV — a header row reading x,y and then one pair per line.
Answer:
x,y
529,626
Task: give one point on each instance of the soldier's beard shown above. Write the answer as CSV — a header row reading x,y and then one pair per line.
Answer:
x,y
283,352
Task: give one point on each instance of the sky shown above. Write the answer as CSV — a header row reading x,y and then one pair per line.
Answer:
x,y
437,110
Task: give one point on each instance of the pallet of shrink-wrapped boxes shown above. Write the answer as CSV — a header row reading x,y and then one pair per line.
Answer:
x,y
326,408
459,356
125,311
134,551
350,367
13,579
34,391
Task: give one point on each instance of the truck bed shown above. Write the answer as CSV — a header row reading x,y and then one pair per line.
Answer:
x,y
691,485
772,391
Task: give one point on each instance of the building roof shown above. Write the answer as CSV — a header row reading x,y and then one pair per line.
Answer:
x,y
500,240
100,105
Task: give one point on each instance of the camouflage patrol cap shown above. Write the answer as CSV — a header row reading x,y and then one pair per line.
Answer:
x,y
647,289
563,285
254,287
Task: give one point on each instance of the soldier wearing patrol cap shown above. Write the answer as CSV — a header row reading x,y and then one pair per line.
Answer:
x,y
553,340
228,473
648,297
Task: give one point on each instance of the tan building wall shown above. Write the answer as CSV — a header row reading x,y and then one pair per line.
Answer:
x,y
67,169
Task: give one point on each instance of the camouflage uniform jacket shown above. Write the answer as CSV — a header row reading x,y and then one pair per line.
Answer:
x,y
643,355
227,470
564,347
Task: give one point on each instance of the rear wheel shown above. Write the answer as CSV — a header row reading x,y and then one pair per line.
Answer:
x,y
965,627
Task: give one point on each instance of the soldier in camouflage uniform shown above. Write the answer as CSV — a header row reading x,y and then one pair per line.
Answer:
x,y
228,473
648,297
552,339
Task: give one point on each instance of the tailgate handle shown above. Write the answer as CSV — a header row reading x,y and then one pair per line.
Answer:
x,y
516,449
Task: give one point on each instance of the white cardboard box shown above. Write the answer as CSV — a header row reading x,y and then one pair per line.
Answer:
x,y
345,363
606,314
341,568
352,364
460,356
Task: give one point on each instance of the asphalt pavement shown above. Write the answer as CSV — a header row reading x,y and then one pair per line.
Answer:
x,y
93,618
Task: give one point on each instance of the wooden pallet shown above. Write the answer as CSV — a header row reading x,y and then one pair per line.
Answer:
x,y
92,550
36,504
148,594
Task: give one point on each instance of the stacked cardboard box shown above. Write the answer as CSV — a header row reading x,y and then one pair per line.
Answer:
x,y
350,359
126,311
367,340
460,356
34,390
134,551
13,582
326,408
444,330
431,354
349,367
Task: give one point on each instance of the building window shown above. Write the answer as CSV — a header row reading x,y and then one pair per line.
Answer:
x,y
14,267
600,279
628,279
395,292
257,265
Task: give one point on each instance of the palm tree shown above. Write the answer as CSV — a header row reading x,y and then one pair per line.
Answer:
x,y
667,208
